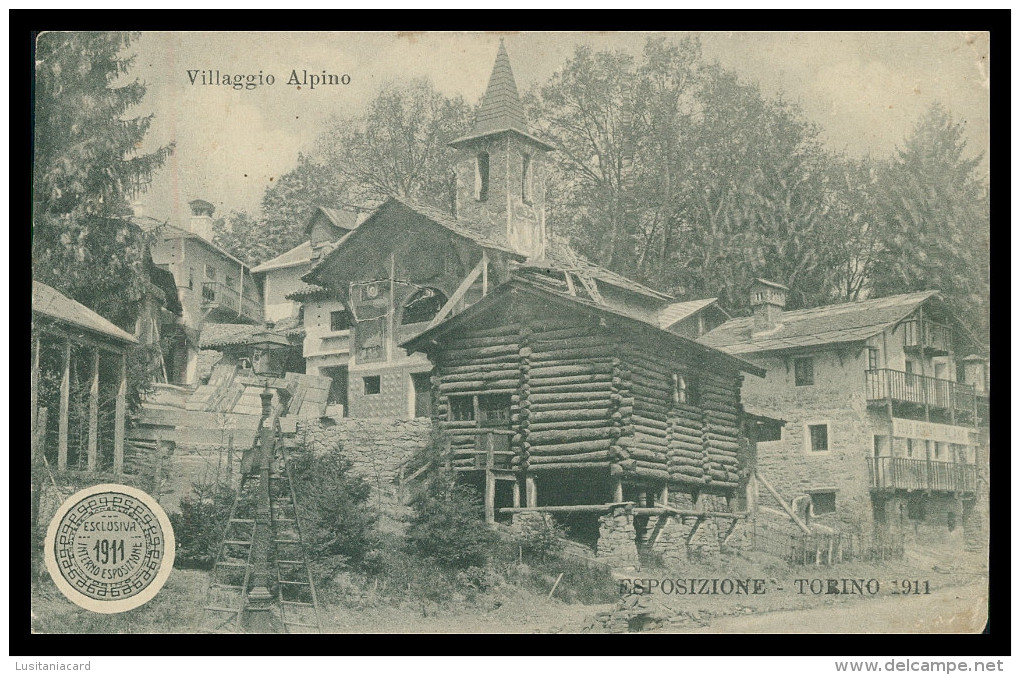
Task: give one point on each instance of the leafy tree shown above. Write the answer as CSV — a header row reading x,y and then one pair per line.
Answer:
x,y
399,147
935,219
87,167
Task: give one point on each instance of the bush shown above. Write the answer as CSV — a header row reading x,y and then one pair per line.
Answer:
x,y
199,525
539,538
448,524
338,524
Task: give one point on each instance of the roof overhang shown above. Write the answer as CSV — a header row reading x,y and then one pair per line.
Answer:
x,y
473,138
431,336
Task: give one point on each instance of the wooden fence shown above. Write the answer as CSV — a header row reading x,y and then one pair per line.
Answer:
x,y
821,548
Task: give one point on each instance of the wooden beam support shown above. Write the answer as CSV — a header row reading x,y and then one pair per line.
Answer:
x,y
786,507
93,446
459,294
617,490
65,404
119,415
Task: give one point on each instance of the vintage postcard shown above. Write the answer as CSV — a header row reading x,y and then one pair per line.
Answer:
x,y
520,332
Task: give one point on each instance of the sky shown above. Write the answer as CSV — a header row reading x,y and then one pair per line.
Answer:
x,y
864,90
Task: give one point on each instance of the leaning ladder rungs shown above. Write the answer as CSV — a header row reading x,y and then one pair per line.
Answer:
x,y
295,583
290,562
297,604
236,542
286,541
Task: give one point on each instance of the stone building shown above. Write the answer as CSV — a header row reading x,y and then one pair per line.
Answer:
x,y
884,402
281,276
213,286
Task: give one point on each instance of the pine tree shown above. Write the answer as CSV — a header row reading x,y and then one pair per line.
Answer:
x,y
935,219
87,168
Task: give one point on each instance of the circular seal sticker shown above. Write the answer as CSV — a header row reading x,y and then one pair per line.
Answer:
x,y
110,548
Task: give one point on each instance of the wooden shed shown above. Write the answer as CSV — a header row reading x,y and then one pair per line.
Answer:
x,y
573,402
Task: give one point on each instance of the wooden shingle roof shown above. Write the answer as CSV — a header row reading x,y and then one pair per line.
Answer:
x,y
50,303
846,322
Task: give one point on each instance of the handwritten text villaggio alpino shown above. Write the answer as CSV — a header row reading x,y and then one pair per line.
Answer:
x,y
302,79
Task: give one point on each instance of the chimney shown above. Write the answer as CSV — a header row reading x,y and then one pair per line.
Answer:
x,y
201,218
767,301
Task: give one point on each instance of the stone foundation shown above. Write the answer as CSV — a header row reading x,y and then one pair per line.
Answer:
x,y
617,545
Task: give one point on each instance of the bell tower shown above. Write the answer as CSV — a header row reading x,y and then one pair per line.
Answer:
x,y
500,168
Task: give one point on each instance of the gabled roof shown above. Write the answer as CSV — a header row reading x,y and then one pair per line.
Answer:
x,y
345,220
847,322
50,303
449,223
301,254
516,284
678,311
306,291
168,231
501,110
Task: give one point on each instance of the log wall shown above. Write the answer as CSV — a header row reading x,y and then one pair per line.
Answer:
x,y
583,396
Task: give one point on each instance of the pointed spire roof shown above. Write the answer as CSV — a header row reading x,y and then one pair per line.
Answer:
x,y
501,109
501,106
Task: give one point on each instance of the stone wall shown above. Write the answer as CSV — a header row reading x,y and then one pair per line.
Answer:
x,y
617,546
837,399
377,446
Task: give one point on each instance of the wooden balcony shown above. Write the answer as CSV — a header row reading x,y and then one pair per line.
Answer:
x,y
900,473
222,303
884,384
926,338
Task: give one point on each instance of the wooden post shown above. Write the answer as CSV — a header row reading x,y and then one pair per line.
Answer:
x,y
530,491
786,507
93,447
485,274
517,494
490,482
35,384
617,490
664,495
65,402
118,418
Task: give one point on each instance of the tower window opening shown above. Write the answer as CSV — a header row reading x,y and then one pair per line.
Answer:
x,y
482,177
526,179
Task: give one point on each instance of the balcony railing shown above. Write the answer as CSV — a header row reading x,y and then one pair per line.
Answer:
x,y
220,297
933,337
900,473
885,384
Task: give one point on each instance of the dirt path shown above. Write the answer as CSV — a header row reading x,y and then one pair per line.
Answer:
x,y
961,609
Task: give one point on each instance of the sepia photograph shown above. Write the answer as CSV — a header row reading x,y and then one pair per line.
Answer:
x,y
510,332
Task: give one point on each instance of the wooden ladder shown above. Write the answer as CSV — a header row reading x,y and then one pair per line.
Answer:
x,y
299,606
228,582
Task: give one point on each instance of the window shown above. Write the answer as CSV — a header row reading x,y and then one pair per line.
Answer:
x,y
462,408
819,436
373,384
191,278
482,177
685,389
910,447
873,358
879,444
803,371
526,179
823,502
908,368
494,410
339,321
938,450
